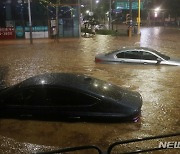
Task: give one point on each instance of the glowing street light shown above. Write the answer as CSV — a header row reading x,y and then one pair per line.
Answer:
x,y
156,11
155,14
87,11
97,1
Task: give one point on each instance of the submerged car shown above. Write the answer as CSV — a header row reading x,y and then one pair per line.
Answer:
x,y
59,95
138,55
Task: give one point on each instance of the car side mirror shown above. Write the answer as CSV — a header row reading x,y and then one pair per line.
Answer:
x,y
159,60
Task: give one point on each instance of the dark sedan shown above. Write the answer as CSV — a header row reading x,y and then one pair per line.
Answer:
x,y
59,95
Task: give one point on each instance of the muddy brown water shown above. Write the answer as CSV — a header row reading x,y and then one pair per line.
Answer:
x,y
158,85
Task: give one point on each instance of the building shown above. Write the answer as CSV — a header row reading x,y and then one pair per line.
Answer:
x,y
123,6
49,18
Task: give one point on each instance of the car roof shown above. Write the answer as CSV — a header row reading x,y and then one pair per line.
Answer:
x,y
136,48
130,48
144,48
56,79
75,81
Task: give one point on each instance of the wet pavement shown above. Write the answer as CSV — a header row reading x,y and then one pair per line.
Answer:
x,y
158,85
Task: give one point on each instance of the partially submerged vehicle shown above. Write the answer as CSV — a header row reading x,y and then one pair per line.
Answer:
x,y
58,95
136,55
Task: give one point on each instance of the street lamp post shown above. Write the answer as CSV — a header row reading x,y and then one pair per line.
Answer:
x,y
110,17
130,23
57,20
79,12
30,22
91,6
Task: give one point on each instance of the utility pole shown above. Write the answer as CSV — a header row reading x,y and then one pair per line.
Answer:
x,y
130,23
139,16
79,14
110,17
30,22
91,5
48,21
57,20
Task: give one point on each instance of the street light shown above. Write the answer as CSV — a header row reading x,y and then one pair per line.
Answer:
x,y
87,11
156,11
97,1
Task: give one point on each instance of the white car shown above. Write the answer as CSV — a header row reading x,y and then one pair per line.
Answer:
x,y
138,55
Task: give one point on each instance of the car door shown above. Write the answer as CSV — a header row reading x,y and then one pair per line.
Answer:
x,y
149,58
19,102
69,102
129,56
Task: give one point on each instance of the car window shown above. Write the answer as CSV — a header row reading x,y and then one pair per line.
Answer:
x,y
148,56
65,97
160,54
133,54
50,96
28,96
120,55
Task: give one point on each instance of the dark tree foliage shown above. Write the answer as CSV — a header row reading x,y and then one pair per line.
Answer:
x,y
173,6
170,6
102,8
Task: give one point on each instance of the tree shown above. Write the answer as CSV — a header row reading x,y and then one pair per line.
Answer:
x,y
173,7
101,10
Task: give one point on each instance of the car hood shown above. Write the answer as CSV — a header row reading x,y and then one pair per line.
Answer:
x,y
132,100
174,61
100,55
123,96
128,104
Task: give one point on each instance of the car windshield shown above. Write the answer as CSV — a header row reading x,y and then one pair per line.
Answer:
x,y
112,52
113,98
160,54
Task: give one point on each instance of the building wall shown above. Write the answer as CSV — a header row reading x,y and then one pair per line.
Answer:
x,y
14,13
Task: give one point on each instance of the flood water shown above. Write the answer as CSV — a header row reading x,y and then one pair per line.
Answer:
x,y
158,85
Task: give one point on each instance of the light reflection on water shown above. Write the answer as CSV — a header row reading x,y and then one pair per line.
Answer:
x,y
158,85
